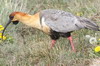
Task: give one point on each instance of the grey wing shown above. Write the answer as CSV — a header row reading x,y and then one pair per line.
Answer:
x,y
61,21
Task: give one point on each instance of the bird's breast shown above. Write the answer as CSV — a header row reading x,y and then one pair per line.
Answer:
x,y
46,29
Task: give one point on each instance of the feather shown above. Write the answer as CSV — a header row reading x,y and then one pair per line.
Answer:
x,y
61,21
89,24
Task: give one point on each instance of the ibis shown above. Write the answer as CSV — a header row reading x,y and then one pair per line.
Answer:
x,y
55,23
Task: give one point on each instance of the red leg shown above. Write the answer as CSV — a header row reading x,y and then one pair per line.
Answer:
x,y
71,42
53,43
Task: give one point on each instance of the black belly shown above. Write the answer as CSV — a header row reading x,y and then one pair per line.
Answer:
x,y
56,35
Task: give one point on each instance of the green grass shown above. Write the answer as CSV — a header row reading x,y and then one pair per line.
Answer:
x,y
26,46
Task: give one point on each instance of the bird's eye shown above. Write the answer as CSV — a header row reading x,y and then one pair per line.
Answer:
x,y
11,17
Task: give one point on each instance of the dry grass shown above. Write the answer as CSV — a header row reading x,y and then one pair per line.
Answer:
x,y
29,47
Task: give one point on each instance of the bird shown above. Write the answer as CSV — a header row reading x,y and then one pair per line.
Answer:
x,y
55,23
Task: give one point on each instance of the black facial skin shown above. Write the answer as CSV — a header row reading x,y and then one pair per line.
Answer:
x,y
11,17
15,22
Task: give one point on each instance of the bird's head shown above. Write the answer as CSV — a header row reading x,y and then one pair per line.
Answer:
x,y
13,18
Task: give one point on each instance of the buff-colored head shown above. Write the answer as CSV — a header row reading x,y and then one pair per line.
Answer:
x,y
14,18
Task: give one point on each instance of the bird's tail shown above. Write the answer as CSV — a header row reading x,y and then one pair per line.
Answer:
x,y
87,23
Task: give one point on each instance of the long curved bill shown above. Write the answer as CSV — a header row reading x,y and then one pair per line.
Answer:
x,y
5,28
